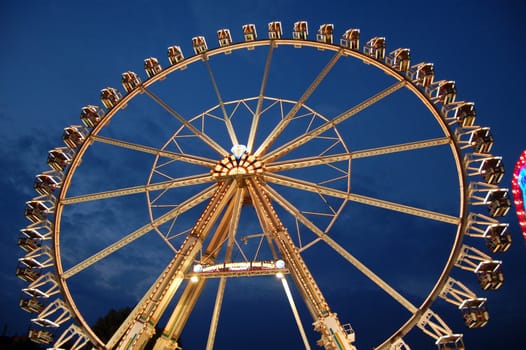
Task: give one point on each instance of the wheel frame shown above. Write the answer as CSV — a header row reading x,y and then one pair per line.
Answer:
x,y
456,151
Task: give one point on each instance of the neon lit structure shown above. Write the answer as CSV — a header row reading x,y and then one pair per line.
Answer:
x,y
278,193
519,190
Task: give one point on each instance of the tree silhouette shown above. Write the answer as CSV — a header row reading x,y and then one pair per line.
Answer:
x,y
18,343
107,325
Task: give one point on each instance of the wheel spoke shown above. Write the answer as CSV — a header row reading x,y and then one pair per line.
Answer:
x,y
291,209
274,134
297,142
315,188
410,146
215,315
228,122
321,160
306,162
180,182
256,116
187,158
184,206
205,138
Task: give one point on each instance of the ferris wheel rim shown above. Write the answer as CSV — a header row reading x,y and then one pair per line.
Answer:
x,y
455,251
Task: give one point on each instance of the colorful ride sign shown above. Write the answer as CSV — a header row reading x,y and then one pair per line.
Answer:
x,y
519,190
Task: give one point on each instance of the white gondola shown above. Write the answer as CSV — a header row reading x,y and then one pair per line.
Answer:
x,y
224,37
422,74
27,274
110,96
489,167
476,138
499,203
325,33
375,48
40,336
462,113
130,81
490,275
152,66
450,342
31,305
37,210
199,45
443,91
175,54
351,39
492,170
399,59
91,115
73,136
274,30
28,244
475,312
59,158
495,198
249,32
46,184
300,30
498,239
481,140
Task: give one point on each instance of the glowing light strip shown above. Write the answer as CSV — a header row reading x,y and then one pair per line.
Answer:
x,y
518,185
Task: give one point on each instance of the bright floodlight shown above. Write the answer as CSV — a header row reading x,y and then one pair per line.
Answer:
x,y
280,264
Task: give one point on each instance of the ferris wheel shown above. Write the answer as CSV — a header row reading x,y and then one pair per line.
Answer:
x,y
245,180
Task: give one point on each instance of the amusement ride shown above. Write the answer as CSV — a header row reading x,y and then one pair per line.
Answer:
x,y
259,185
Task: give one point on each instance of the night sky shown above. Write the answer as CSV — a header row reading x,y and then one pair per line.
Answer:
x,y
57,55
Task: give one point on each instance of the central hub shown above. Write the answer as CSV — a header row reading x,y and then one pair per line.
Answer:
x,y
239,163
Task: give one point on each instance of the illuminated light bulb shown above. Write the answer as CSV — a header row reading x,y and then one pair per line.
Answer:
x,y
279,275
280,264
194,279
238,150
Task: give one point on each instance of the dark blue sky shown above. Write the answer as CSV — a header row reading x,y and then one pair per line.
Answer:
x,y
56,56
